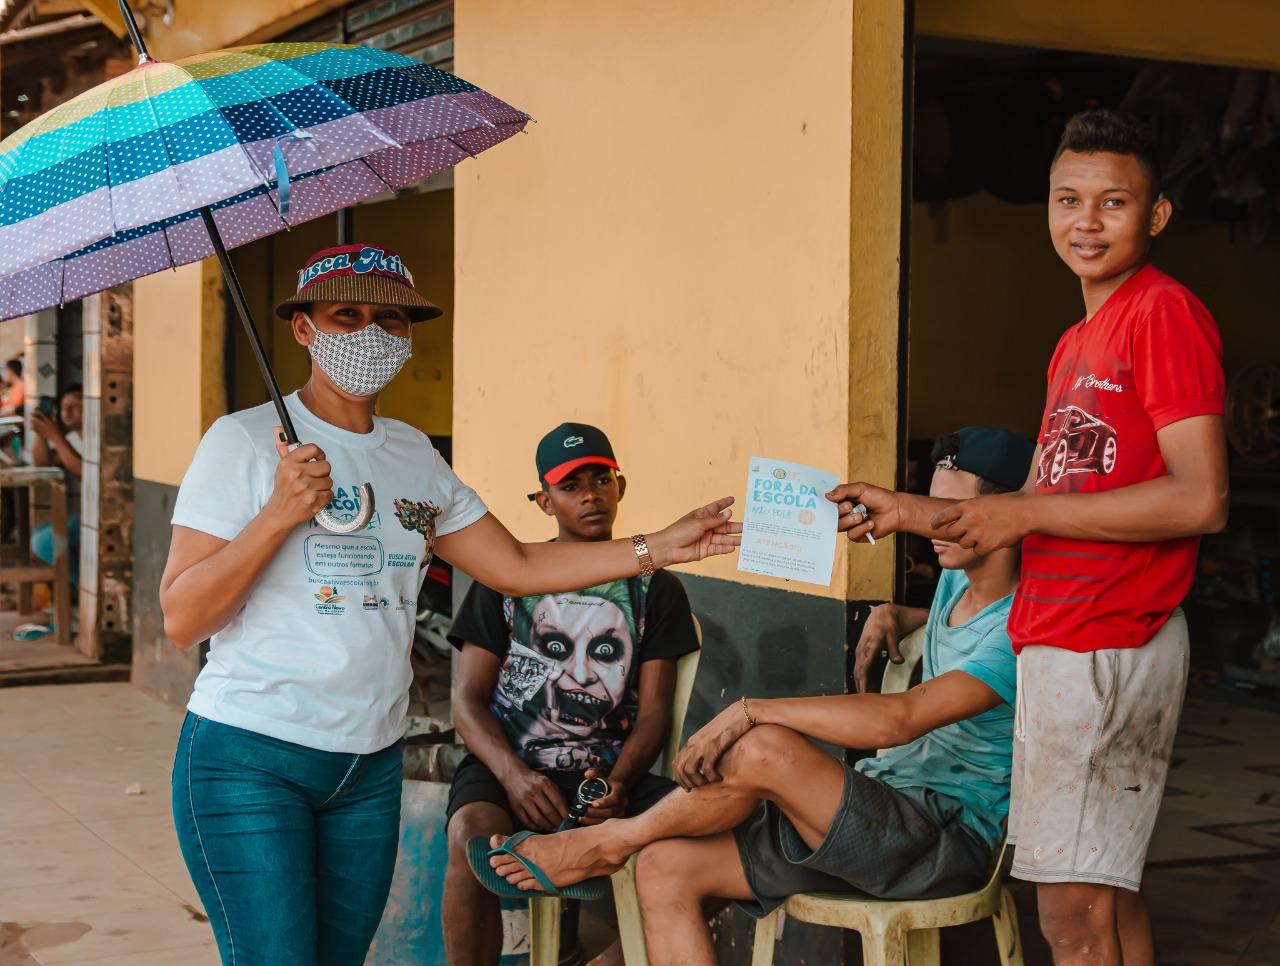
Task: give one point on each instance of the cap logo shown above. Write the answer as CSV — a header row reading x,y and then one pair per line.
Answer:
x,y
946,463
572,441
370,259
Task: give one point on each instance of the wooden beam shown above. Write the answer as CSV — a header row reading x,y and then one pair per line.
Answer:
x,y
267,31
108,11
58,8
51,29
1240,33
875,226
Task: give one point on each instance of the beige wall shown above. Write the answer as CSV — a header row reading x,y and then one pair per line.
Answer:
x,y
666,254
178,367
989,299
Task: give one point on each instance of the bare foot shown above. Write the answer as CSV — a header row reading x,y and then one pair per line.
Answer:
x,y
565,857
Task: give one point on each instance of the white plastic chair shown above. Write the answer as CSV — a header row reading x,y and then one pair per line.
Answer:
x,y
901,932
544,913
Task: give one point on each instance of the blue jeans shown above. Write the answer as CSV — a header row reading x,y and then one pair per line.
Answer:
x,y
291,849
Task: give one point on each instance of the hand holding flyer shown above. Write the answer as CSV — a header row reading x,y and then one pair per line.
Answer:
x,y
788,526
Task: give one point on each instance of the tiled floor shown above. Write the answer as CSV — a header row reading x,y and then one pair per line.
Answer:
x,y
88,873
1212,880
1223,794
34,655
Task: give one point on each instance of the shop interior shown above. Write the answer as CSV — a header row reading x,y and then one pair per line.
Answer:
x,y
989,300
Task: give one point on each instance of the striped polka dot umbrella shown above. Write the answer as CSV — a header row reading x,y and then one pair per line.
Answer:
x,y
109,187
175,162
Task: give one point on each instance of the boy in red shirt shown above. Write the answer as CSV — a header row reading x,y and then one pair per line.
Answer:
x,y
1130,472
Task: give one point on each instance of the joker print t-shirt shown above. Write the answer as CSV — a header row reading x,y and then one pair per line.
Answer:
x,y
319,654
566,693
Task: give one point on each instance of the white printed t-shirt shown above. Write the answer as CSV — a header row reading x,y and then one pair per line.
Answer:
x,y
319,654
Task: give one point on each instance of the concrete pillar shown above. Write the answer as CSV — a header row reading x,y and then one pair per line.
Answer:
x,y
875,370
106,504
179,389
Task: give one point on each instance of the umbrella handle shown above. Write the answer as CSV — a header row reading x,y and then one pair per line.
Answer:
x,y
336,524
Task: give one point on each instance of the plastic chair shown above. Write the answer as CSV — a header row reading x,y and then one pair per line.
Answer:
x,y
544,914
901,932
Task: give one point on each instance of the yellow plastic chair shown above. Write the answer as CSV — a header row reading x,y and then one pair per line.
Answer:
x,y
901,932
544,914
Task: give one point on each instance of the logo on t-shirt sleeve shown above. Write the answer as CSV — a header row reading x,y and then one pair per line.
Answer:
x,y
421,516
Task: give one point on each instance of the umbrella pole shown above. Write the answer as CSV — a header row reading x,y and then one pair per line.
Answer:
x,y
242,308
326,518
135,35
229,272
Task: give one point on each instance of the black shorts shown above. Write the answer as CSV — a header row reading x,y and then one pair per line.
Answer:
x,y
474,782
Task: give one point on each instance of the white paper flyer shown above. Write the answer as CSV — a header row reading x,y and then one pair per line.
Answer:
x,y
788,524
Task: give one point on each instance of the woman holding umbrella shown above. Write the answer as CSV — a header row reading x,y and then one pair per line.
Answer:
x,y
286,783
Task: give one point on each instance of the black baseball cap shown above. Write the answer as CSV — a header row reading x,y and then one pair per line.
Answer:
x,y
570,446
997,455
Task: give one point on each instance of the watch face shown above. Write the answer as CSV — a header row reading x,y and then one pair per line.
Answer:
x,y
592,790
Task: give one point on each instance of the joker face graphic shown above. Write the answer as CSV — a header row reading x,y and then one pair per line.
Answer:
x,y
588,642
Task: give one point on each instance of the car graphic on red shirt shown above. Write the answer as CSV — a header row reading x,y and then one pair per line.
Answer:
x,y
1076,442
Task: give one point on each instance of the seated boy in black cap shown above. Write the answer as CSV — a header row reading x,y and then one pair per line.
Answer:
x,y
552,690
771,814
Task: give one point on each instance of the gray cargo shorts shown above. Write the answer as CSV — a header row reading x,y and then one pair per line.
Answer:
x,y
891,843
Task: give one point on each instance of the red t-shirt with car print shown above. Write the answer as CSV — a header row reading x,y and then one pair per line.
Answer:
x,y
1151,356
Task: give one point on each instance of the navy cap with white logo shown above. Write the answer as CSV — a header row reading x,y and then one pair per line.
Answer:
x,y
570,446
997,455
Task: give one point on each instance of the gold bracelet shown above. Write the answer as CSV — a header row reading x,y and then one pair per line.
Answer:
x,y
641,547
750,720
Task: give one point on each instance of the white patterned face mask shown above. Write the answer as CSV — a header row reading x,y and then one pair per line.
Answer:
x,y
362,362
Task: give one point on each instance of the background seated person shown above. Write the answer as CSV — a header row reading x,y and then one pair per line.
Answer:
x,y
770,814
13,391
12,396
556,688
57,442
